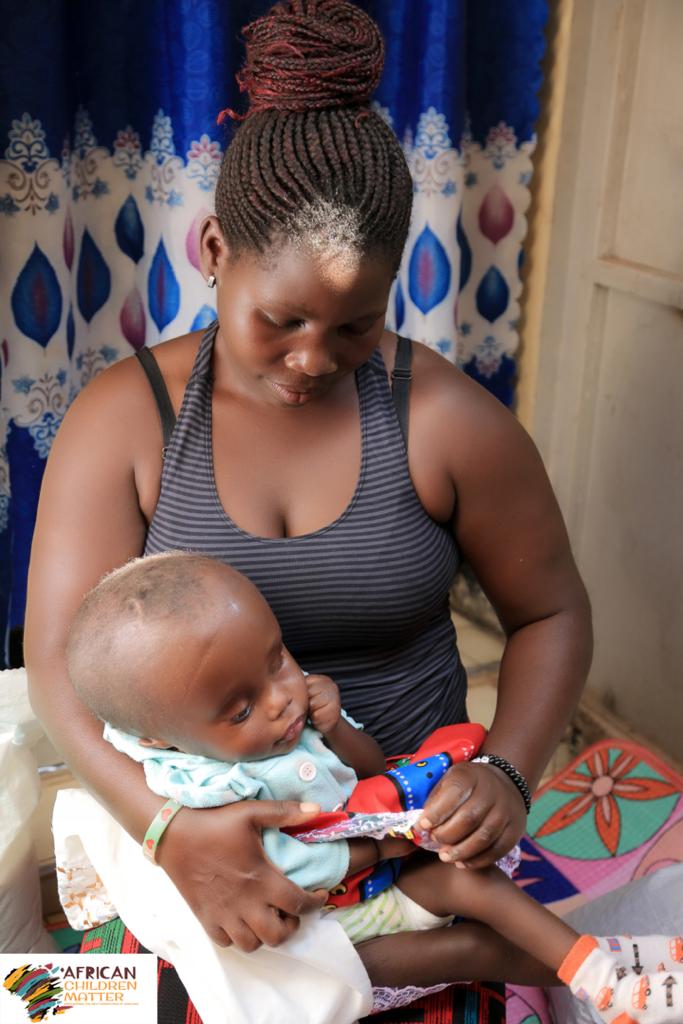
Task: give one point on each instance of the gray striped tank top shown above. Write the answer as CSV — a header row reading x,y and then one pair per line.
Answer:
x,y
364,599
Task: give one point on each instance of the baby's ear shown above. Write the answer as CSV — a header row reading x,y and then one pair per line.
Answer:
x,y
144,741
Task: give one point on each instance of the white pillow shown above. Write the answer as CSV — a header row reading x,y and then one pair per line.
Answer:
x,y
652,905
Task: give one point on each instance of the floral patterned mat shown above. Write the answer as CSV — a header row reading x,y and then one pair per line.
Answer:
x,y
613,815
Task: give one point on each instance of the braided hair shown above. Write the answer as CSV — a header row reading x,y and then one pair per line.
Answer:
x,y
311,163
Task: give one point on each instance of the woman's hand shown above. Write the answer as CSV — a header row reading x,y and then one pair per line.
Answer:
x,y
477,812
215,859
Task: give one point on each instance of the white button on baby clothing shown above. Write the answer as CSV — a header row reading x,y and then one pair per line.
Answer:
x,y
307,771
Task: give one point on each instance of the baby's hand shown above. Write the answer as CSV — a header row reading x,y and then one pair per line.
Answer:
x,y
324,703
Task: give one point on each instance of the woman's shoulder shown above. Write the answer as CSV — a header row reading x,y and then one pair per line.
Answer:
x,y
460,437
114,420
122,385
443,397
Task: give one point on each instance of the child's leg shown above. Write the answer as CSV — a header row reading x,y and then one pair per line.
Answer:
x,y
611,976
490,897
467,952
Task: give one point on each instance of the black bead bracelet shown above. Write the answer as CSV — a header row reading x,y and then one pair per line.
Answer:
x,y
511,772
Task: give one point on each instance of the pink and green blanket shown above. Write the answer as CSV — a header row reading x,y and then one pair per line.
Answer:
x,y
612,816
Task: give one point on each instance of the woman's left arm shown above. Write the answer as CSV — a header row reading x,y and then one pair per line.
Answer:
x,y
510,529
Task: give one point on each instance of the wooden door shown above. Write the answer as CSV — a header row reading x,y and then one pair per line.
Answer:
x,y
607,362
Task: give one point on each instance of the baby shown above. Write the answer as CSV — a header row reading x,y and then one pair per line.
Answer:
x,y
183,659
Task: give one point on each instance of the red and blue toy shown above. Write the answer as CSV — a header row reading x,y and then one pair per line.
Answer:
x,y
389,803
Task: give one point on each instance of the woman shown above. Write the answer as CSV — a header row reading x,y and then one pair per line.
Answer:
x,y
287,460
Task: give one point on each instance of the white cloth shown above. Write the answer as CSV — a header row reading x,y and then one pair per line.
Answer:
x,y
315,977
21,918
653,903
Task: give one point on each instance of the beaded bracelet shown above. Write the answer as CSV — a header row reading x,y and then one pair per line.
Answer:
x,y
159,824
511,772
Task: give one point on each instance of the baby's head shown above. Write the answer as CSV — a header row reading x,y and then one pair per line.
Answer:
x,y
184,652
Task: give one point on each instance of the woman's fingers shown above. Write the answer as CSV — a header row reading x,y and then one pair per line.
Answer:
x,y
244,938
485,846
453,791
462,825
274,921
219,936
288,898
270,926
475,809
490,856
281,813
457,808
486,835
269,913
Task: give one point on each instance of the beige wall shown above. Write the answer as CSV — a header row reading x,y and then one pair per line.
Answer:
x,y
601,383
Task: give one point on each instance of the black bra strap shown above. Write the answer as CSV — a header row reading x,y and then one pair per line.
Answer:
x,y
166,414
400,382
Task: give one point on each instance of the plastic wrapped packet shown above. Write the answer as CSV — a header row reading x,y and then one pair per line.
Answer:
x,y
391,823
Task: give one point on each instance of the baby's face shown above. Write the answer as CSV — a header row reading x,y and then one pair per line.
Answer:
x,y
241,695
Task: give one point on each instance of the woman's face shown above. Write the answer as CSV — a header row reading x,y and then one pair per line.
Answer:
x,y
293,324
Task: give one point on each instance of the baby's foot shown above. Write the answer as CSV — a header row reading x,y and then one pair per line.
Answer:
x,y
612,975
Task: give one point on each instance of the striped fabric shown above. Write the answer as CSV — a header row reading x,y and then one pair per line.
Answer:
x,y
365,599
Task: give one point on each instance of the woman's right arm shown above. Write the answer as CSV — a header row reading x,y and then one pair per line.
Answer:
x,y
90,521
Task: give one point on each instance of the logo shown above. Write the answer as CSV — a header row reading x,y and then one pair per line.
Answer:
x,y
118,989
39,987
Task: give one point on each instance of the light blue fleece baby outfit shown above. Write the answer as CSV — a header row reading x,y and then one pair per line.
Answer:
x,y
310,772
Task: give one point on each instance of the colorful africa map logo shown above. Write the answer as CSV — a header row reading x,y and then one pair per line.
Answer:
x,y
40,988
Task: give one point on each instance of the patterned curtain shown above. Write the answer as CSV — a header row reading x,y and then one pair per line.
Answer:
x,y
111,150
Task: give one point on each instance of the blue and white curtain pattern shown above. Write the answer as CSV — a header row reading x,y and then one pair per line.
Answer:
x,y
111,151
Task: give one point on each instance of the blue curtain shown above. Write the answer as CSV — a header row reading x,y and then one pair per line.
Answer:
x,y
111,150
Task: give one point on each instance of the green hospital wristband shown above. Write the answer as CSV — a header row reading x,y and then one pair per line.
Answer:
x,y
159,824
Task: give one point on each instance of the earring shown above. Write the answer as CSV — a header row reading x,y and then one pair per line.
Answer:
x,y
211,281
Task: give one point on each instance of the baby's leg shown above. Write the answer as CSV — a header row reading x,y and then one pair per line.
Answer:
x,y
490,897
618,981
468,952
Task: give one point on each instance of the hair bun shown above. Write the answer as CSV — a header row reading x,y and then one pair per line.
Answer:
x,y
310,54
